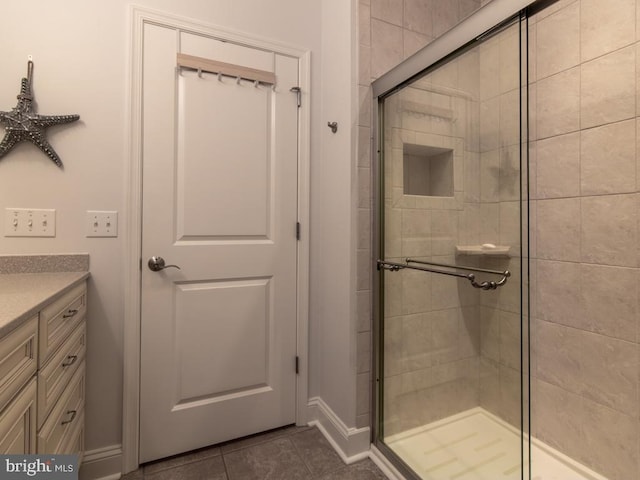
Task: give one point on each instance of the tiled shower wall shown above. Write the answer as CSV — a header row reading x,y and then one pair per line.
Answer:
x,y
584,152
585,183
389,32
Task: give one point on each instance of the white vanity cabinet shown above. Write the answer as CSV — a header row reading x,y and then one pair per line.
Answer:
x,y
42,375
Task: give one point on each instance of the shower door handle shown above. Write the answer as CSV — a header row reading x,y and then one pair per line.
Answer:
x,y
156,264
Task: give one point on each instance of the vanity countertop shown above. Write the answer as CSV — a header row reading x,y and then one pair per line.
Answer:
x,y
24,294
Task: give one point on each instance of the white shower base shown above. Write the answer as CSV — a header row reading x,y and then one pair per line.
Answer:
x,y
476,445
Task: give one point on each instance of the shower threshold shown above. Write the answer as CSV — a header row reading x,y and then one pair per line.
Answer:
x,y
477,445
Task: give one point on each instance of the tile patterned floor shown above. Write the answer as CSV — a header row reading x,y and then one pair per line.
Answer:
x,y
289,453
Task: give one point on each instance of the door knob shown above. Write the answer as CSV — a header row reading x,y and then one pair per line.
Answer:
x,y
157,263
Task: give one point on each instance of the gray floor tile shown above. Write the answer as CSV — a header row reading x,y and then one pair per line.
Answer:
x,y
316,451
178,460
135,475
274,460
207,469
261,438
362,470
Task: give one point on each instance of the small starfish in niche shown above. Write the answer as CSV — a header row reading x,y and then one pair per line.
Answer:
x,y
22,123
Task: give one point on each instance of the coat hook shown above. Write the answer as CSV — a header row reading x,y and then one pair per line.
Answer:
x,y
333,126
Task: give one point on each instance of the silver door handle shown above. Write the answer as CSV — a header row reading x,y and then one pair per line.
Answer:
x,y
157,263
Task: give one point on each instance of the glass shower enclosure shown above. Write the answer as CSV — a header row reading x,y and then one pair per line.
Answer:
x,y
451,314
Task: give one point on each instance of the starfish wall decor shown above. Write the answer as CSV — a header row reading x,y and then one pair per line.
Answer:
x,y
23,123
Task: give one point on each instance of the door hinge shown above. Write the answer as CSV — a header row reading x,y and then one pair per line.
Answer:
x,y
297,365
140,266
297,230
298,92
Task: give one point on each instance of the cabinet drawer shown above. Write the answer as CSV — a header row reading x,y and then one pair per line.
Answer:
x,y
55,375
17,359
18,423
73,442
59,318
65,416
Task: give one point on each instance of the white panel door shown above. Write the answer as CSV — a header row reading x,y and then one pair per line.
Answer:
x,y
220,201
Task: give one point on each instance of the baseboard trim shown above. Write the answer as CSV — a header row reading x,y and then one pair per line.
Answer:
x,y
102,464
352,444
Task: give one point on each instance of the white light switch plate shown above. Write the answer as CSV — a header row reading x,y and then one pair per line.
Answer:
x,y
29,222
101,224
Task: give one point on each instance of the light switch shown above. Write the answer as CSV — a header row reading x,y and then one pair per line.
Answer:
x,y
29,222
101,224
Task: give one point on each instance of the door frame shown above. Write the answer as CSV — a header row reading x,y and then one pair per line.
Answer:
x,y
138,17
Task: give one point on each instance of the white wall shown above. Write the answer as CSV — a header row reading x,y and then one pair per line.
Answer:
x,y
333,262
80,49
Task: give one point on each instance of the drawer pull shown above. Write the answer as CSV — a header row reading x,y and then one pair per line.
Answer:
x,y
73,415
71,359
70,313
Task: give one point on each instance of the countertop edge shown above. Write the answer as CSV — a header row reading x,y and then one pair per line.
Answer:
x,y
22,317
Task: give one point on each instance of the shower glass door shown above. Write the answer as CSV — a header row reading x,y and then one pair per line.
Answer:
x,y
452,400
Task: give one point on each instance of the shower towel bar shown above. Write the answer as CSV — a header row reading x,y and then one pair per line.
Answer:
x,y
490,285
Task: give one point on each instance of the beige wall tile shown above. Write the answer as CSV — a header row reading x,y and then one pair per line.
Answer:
x,y
469,329
608,159
608,88
418,16
471,169
392,349
558,292
445,15
413,41
364,23
509,183
489,63
610,230
417,342
597,367
510,396
558,229
364,65
558,166
510,225
610,300
558,41
386,47
364,188
363,276
490,223
364,147
509,78
490,176
390,11
490,334
606,26
364,352
416,223
610,441
363,387
560,420
467,7
510,118
364,116
445,335
363,299
558,104
490,386
510,341
469,229
416,291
